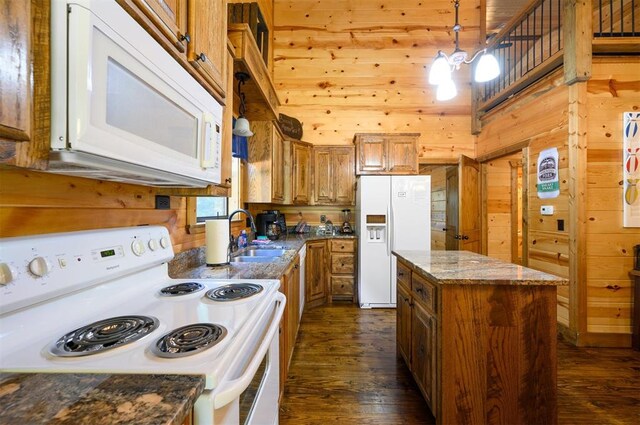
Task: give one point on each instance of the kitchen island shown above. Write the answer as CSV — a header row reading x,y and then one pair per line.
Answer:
x,y
479,336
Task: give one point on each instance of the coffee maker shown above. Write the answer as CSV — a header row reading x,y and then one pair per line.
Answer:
x,y
267,218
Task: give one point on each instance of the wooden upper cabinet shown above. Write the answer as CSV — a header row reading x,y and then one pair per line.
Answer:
x,y
207,50
301,172
169,17
387,153
372,156
333,175
15,77
265,167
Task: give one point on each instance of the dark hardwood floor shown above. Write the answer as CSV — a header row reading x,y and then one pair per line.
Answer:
x,y
345,371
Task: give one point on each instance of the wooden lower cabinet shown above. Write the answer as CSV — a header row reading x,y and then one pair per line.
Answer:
x,y
403,321
290,322
479,353
343,269
423,352
315,273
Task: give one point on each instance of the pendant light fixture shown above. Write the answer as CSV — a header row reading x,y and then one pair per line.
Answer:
x,y
443,66
242,127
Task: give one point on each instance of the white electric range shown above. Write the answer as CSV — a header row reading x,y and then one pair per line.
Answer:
x,y
102,302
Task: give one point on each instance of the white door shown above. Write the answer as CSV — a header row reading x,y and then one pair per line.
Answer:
x,y
374,269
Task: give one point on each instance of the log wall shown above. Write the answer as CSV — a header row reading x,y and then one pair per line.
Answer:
x,y
346,67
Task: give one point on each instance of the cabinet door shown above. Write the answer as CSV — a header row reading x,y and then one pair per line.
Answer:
x,y
207,50
315,273
403,323
293,303
402,153
423,353
169,17
301,155
343,176
322,176
277,172
371,154
15,77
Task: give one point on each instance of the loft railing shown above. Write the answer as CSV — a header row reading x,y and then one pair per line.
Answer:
x,y
532,44
616,18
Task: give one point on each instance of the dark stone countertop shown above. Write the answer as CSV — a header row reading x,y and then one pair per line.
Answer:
x,y
65,398
469,268
195,267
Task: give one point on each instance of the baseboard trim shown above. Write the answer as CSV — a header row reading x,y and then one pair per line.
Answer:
x,y
591,339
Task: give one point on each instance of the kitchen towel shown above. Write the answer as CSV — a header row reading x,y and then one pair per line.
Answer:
x,y
217,240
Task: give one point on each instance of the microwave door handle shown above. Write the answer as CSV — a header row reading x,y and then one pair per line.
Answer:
x,y
231,390
210,141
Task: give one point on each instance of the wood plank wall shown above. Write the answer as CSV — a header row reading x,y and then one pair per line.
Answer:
x,y
438,175
613,89
344,67
498,207
539,117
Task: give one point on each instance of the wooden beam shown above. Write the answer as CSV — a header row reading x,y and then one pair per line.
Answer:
x,y
577,153
578,35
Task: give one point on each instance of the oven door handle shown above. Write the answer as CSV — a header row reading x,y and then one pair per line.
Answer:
x,y
231,390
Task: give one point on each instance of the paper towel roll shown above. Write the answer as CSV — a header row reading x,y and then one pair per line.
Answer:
x,y
217,240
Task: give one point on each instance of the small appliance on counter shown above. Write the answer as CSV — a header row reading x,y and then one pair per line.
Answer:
x,y
346,226
267,218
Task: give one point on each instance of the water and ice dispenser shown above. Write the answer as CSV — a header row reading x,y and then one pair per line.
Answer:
x,y
376,228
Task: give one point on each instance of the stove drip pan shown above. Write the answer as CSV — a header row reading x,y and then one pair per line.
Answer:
x,y
189,340
103,335
234,291
181,289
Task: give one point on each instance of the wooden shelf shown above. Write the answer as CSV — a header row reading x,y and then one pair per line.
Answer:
x,y
261,98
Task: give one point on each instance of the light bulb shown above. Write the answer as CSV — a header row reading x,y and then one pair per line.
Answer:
x,y
440,70
487,68
446,90
242,128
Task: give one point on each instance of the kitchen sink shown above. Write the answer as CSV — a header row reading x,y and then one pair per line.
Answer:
x,y
264,252
252,259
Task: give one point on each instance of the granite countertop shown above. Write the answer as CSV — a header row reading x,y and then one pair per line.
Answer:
x,y
468,268
194,266
97,399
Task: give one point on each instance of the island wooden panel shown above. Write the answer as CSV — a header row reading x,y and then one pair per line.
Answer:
x,y
359,67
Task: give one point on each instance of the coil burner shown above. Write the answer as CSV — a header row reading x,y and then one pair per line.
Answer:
x,y
234,291
104,335
184,288
188,340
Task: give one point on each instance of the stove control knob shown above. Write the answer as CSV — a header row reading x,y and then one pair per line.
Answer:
x,y
164,242
137,247
7,273
153,245
39,267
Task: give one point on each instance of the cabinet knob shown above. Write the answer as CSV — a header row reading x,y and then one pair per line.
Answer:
x,y
444,229
456,237
400,273
185,37
419,290
227,180
201,57
465,237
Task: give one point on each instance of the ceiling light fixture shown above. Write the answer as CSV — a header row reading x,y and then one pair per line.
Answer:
x,y
443,66
242,124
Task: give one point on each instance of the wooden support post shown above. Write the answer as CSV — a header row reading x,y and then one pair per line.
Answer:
x,y
577,209
578,36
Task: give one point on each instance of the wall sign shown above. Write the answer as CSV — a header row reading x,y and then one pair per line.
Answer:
x,y
631,168
290,126
548,181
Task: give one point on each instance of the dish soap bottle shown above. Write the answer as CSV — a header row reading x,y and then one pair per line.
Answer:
x,y
242,239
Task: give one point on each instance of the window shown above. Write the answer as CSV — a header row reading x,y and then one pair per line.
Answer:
x,y
209,207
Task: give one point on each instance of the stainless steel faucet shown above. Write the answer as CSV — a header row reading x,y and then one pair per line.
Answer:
x,y
232,241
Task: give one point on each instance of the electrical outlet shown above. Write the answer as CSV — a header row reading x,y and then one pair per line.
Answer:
x,y
163,202
323,218
561,225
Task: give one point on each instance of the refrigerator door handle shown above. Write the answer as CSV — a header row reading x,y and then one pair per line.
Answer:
x,y
389,221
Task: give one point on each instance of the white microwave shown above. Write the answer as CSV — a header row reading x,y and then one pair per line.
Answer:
x,y
122,109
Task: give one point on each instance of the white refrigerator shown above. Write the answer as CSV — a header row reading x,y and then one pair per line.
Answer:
x,y
392,213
